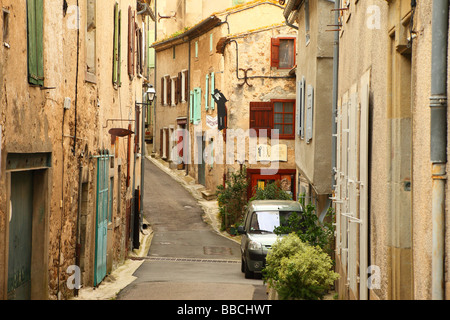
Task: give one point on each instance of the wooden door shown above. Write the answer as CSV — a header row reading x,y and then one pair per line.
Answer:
x,y
20,236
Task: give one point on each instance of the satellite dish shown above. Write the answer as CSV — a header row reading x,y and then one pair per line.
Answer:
x,y
120,132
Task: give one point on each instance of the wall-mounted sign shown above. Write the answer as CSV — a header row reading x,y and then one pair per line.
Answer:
x,y
274,153
211,121
220,100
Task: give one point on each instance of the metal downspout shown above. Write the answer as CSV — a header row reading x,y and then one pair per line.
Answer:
x,y
335,97
438,141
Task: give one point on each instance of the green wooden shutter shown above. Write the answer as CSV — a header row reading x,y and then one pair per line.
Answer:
x,y
197,105
206,92
213,86
192,106
35,33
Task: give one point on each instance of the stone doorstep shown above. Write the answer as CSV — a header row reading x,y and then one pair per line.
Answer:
x,y
208,195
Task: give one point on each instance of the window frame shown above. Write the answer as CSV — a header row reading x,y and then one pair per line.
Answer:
x,y
254,107
285,101
275,52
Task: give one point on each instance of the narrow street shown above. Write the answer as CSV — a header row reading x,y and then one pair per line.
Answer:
x,y
187,259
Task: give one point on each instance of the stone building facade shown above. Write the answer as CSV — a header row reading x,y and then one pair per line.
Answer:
x,y
391,192
66,184
221,47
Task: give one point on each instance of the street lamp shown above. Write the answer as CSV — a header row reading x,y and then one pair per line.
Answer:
x,y
151,93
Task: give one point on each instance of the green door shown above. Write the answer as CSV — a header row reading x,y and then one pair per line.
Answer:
x,y
102,219
20,228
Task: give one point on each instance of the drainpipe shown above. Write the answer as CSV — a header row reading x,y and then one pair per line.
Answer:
x,y
335,96
438,141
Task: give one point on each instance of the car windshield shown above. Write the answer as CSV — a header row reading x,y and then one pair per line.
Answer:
x,y
267,221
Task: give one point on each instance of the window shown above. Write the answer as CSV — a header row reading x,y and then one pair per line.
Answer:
x,y
90,41
210,42
283,118
35,38
184,85
195,106
165,89
5,25
196,49
117,37
174,90
275,115
283,53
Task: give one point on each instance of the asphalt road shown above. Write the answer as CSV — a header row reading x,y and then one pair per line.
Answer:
x,y
187,259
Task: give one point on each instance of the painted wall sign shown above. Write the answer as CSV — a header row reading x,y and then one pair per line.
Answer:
x,y
211,121
274,153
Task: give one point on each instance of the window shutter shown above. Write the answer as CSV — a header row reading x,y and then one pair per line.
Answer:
x,y
162,91
213,86
176,93
300,107
198,105
131,35
206,92
179,79
138,51
309,113
275,53
116,45
169,90
119,58
186,82
191,106
35,30
261,117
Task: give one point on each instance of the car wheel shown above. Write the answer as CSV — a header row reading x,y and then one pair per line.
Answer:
x,y
248,274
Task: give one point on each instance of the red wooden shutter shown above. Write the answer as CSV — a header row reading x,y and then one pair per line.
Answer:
x,y
186,86
261,116
275,53
179,86
169,90
131,42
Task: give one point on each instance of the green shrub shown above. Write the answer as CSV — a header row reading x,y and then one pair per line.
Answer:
x,y
272,191
297,270
232,198
308,227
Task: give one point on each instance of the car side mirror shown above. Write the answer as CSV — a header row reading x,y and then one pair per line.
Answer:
x,y
241,230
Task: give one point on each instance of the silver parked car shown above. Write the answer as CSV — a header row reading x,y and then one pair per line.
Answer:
x,y
261,218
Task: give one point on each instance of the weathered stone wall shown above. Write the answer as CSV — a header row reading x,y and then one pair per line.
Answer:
x,y
34,120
